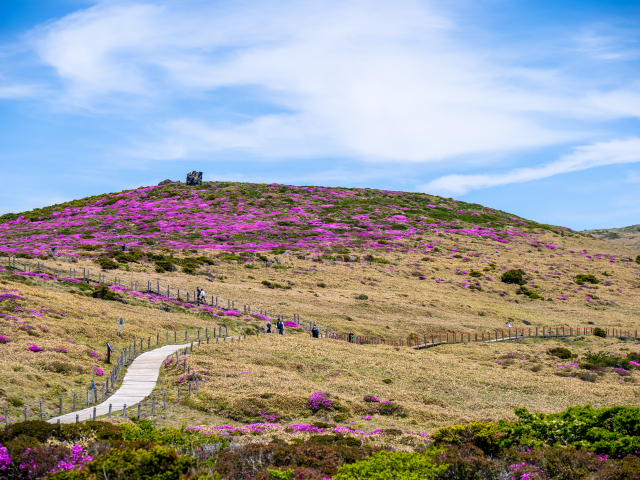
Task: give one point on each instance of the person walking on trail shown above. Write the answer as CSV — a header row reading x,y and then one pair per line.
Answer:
x,y
269,327
315,332
203,296
280,327
350,337
198,295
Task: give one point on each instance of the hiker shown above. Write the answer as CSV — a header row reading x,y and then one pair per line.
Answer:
x,y
315,332
350,337
204,296
269,327
198,295
280,327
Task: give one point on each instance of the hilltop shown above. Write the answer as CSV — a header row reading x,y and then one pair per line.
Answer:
x,y
242,217
626,236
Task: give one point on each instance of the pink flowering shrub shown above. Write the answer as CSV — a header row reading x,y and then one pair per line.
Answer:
x,y
5,459
34,348
320,401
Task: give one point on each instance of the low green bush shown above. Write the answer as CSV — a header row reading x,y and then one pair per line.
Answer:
x,y
605,359
600,332
475,274
611,431
485,436
532,294
107,263
362,296
392,465
560,352
104,293
513,276
583,278
133,464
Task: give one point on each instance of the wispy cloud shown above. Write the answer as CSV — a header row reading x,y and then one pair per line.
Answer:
x,y
377,81
582,158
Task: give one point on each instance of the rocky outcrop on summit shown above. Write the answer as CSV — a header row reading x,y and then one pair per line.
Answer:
x,y
194,178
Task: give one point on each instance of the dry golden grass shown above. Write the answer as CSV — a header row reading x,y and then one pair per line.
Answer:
x,y
400,304
437,386
448,384
89,323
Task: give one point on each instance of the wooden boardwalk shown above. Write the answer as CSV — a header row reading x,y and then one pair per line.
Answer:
x,y
138,383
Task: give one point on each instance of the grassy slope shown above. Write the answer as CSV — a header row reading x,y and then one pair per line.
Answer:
x,y
626,236
443,385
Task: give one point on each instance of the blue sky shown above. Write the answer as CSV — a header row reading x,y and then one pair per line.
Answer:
x,y
532,107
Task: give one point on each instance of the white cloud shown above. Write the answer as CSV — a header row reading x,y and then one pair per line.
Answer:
x,y
379,81
370,80
582,158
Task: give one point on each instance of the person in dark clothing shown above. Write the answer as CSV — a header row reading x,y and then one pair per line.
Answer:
x,y
269,327
315,332
198,295
280,327
351,337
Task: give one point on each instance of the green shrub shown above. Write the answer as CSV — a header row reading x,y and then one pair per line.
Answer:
x,y
90,248
104,293
392,465
600,332
638,259
188,270
560,352
513,276
107,263
181,439
166,265
475,274
532,294
485,436
362,296
141,464
316,460
281,474
159,270
605,359
581,278
612,430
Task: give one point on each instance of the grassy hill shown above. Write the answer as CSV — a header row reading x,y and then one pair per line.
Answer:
x,y
626,236
373,262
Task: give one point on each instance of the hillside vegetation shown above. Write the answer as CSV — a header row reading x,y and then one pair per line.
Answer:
x,y
626,236
389,264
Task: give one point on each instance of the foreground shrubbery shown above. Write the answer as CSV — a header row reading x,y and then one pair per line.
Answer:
x,y
578,444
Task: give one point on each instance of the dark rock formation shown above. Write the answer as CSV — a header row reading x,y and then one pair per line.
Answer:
x,y
194,178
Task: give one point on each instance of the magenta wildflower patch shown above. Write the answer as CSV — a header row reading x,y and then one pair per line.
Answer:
x,y
320,401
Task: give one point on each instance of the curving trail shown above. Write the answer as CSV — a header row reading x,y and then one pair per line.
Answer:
x,y
138,383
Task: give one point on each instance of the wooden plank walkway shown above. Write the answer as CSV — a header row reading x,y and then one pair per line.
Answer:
x,y
138,383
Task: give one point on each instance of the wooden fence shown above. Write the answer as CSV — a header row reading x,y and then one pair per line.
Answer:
x,y
127,354
154,287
